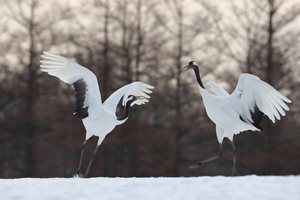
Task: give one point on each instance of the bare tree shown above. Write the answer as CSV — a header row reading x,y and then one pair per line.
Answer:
x,y
181,34
32,26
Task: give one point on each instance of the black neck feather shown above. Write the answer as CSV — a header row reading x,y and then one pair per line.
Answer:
x,y
197,73
126,114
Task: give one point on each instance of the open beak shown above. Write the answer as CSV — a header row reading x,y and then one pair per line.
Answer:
x,y
185,68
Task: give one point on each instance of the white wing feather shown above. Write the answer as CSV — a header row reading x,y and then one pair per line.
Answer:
x,y
138,89
218,90
251,92
70,72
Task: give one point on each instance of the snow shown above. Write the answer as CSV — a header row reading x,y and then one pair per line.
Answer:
x,y
244,187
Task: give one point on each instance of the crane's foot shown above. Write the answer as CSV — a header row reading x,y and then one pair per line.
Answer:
x,y
196,165
205,161
78,174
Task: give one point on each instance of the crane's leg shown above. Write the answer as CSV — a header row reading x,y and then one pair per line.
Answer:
x,y
78,172
209,159
234,172
91,161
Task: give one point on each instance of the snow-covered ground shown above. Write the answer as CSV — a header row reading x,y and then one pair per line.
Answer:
x,y
242,188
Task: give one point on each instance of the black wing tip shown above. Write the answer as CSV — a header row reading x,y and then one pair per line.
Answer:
x,y
257,117
81,113
258,126
80,92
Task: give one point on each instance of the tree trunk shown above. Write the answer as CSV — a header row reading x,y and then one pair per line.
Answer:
x,y
178,133
105,52
139,40
32,93
269,75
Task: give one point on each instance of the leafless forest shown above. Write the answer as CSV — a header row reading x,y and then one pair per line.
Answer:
x,y
149,40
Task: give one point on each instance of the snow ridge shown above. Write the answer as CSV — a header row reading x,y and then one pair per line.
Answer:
x,y
219,187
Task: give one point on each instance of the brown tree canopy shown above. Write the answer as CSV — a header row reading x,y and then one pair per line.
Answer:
x,y
127,40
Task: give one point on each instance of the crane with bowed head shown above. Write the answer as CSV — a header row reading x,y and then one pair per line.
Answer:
x,y
98,118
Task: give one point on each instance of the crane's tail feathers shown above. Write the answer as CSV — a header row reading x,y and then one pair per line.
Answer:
x,y
238,128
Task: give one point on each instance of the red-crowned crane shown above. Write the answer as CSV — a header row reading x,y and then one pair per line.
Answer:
x,y
98,118
240,111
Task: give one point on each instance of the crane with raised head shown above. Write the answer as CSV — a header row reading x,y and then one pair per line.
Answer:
x,y
241,110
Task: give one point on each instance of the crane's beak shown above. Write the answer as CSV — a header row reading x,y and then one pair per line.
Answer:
x,y
185,68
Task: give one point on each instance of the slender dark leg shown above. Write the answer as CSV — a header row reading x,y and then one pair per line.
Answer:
x,y
234,172
91,161
207,160
78,172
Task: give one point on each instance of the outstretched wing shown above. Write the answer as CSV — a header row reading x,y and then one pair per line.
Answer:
x,y
257,98
88,97
136,88
218,90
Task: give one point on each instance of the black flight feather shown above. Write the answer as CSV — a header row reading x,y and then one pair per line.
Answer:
x,y
80,92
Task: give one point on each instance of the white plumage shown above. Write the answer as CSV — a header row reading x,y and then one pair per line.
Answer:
x,y
233,113
98,118
243,109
